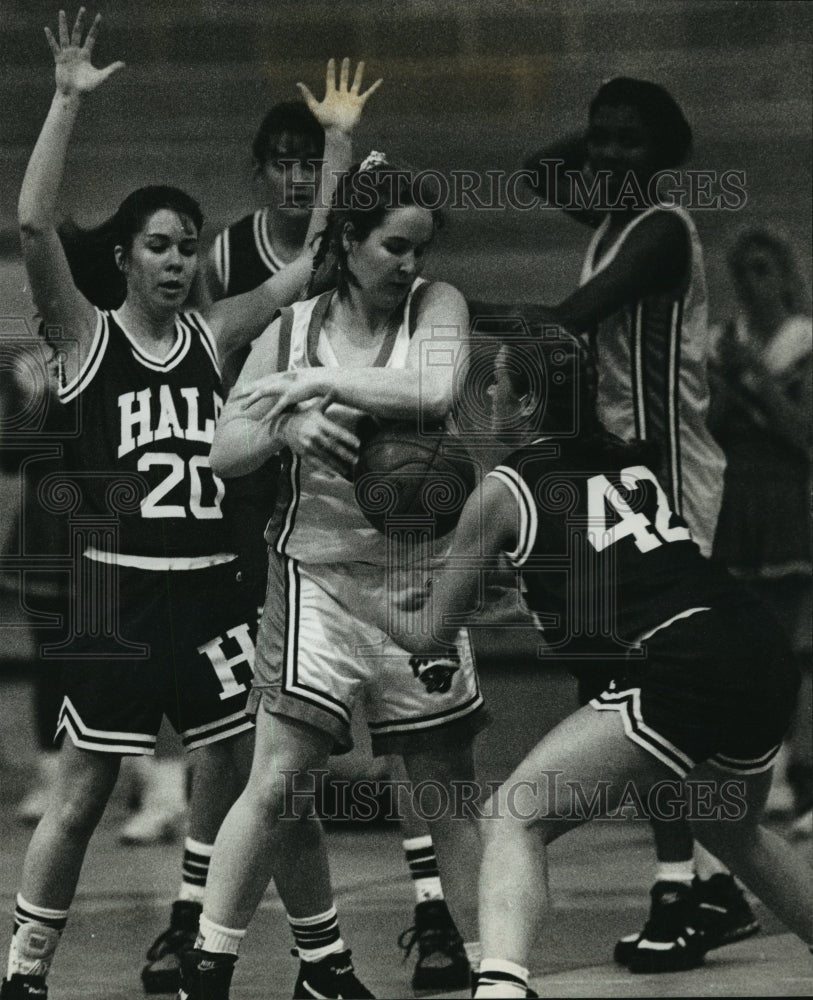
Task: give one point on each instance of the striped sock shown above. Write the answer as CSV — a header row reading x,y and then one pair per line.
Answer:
x,y
423,866
37,931
194,870
675,871
501,979
317,936
216,939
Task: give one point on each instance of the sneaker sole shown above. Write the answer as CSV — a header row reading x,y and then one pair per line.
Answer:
x,y
436,981
642,964
738,934
164,981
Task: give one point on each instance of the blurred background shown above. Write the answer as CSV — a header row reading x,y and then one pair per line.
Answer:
x,y
473,85
469,84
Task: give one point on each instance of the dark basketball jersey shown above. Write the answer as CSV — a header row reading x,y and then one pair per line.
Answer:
x,y
244,258
604,558
140,462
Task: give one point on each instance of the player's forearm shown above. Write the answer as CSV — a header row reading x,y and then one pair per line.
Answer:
x,y
242,445
389,393
337,161
36,207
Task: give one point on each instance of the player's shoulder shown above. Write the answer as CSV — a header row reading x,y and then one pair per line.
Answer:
x,y
438,294
245,222
663,225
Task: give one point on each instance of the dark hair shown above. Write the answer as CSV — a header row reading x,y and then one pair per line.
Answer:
x,y
90,252
362,200
794,294
558,369
660,113
293,118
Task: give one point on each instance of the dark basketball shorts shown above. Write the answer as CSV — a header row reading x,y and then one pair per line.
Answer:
x,y
174,643
321,648
719,685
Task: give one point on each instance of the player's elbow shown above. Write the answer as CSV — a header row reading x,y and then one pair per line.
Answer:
x,y
226,457
437,397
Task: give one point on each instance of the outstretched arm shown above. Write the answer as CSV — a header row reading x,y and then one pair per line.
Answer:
x,y
654,259
55,295
237,321
487,527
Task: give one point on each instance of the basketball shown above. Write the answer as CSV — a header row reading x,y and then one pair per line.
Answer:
x,y
406,478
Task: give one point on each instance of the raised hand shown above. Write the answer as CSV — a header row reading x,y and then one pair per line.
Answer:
x,y
74,71
342,106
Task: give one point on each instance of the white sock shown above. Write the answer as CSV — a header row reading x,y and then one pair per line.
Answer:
x,y
317,936
474,953
675,871
195,870
706,864
423,867
37,931
215,938
501,979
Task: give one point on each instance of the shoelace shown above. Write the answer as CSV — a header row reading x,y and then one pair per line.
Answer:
x,y
428,939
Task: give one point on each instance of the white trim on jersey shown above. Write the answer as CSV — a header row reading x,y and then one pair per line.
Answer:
x,y
222,260
672,408
528,518
89,367
638,390
178,351
669,621
428,722
290,664
265,247
628,705
752,765
204,331
158,562
213,732
101,740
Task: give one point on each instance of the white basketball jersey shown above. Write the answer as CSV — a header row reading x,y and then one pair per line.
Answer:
x,y
652,383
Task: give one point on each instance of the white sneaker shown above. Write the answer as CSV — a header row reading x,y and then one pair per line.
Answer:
x,y
802,828
781,800
152,826
160,817
31,807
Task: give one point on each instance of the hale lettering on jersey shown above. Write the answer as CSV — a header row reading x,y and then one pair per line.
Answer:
x,y
171,413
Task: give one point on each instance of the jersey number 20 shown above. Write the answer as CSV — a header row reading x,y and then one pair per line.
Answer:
x,y
150,506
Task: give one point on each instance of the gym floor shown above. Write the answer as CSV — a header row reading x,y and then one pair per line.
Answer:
x,y
600,877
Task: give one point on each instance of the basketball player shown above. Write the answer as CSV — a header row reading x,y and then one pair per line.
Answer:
x,y
642,305
287,152
172,633
701,672
242,257
321,642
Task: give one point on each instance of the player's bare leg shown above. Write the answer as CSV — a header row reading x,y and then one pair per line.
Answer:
x,y
589,751
455,834
85,780
441,963
219,772
766,862
272,830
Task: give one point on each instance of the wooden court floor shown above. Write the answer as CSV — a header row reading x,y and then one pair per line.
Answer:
x,y
599,882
